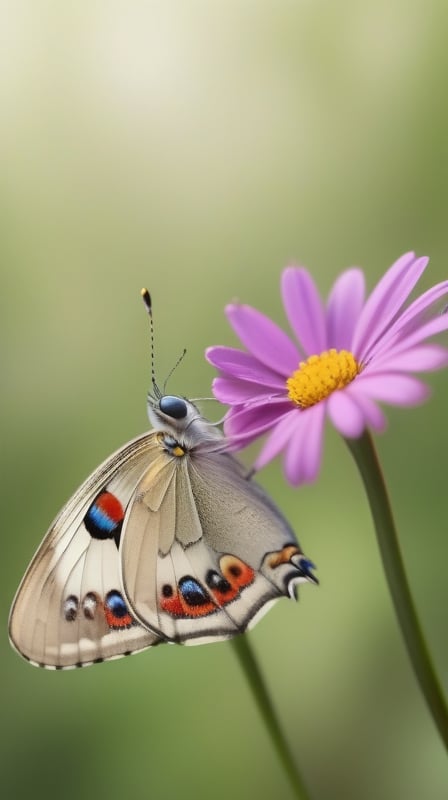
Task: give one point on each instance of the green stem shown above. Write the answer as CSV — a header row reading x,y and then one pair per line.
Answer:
x,y
363,451
255,680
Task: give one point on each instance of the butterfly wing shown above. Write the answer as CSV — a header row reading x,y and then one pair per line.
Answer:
x,y
204,550
69,609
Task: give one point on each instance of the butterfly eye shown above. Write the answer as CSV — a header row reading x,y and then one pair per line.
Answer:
x,y
173,407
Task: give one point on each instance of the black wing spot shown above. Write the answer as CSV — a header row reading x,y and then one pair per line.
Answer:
x,y
217,582
192,591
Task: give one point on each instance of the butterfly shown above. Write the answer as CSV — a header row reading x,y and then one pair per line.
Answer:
x,y
169,540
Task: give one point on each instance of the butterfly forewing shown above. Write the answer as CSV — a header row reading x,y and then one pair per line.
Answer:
x,y
69,609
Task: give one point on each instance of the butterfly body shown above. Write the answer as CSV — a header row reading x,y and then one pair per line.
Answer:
x,y
167,541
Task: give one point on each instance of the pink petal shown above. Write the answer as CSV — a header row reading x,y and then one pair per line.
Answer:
x,y
313,443
385,301
238,364
416,314
277,439
346,415
373,414
249,421
264,339
304,452
400,390
304,309
293,461
233,391
417,335
416,359
344,307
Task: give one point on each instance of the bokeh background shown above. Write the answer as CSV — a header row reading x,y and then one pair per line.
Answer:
x,y
197,148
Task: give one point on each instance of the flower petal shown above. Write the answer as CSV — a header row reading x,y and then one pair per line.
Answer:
x,y
344,307
233,391
385,301
415,359
304,451
264,339
396,389
313,443
304,309
238,364
293,461
418,334
247,422
415,315
373,414
346,415
277,440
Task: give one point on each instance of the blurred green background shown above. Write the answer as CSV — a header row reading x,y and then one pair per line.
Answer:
x,y
197,148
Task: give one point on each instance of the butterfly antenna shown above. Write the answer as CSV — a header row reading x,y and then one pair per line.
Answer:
x,y
146,297
181,357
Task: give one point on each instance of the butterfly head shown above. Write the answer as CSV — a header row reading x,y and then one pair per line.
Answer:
x,y
170,411
181,419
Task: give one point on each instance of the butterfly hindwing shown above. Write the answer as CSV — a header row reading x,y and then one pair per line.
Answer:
x,y
204,551
70,609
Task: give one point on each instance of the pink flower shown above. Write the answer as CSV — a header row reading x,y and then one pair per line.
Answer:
x,y
350,355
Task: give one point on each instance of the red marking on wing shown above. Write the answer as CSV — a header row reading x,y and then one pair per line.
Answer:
x,y
177,606
117,622
172,605
224,597
236,572
111,506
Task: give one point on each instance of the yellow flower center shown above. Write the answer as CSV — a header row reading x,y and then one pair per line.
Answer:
x,y
319,376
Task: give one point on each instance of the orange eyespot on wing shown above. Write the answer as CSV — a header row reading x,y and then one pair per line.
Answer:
x,y
282,556
237,572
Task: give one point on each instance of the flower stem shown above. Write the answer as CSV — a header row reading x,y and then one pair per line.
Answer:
x,y
256,682
364,453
